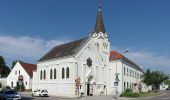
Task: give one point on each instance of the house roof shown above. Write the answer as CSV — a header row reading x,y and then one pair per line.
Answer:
x,y
63,50
29,68
114,55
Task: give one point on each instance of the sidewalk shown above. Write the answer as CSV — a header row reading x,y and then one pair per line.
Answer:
x,y
105,98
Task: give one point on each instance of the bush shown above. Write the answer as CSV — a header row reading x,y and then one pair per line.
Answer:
x,y
129,93
17,88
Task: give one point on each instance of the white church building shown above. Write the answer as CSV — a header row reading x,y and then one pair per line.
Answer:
x,y
88,59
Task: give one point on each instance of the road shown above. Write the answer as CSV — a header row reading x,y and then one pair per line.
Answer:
x,y
164,96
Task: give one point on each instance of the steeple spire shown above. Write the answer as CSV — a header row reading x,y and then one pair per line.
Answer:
x,y
99,26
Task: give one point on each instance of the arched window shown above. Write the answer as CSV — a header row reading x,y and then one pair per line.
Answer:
x,y
12,84
41,75
67,72
63,73
51,74
55,75
44,74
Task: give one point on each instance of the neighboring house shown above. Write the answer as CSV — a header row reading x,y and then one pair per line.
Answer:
x,y
87,59
163,86
21,69
124,74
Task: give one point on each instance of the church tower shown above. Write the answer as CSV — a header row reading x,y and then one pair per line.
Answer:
x,y
102,44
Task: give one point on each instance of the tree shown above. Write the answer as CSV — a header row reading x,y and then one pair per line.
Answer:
x,y
2,62
3,67
13,64
154,78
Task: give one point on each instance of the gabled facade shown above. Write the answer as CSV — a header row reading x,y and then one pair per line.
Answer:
x,y
24,69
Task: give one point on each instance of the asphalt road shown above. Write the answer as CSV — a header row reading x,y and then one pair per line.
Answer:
x,y
164,96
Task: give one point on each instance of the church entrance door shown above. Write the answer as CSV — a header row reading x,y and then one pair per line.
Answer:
x,y
90,86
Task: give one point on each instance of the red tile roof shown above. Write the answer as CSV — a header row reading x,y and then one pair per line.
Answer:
x,y
114,55
29,68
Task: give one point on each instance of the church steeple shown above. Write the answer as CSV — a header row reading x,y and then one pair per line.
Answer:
x,y
99,26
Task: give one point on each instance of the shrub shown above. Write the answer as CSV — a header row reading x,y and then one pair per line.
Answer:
x,y
17,88
129,93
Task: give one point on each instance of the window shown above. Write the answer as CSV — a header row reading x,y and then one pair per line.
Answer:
x,y
67,72
55,75
124,86
63,73
127,71
41,75
44,74
12,84
51,74
97,45
127,85
26,83
15,72
19,72
89,62
124,71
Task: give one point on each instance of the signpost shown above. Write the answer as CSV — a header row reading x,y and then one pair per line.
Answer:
x,y
77,81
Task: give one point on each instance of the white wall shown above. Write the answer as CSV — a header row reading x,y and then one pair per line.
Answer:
x,y
129,78
13,76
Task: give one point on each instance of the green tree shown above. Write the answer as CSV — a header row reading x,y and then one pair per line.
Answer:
x,y
168,83
148,78
3,67
13,64
154,78
158,78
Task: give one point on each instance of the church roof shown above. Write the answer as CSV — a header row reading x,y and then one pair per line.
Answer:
x,y
29,68
99,26
114,55
67,49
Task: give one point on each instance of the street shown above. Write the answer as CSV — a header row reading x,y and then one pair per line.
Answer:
x,y
164,96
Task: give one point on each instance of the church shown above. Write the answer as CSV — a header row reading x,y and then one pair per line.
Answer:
x,y
86,59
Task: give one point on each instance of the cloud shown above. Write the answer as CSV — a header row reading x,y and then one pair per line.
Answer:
x,y
150,60
26,47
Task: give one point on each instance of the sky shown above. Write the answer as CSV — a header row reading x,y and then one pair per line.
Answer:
x,y
29,28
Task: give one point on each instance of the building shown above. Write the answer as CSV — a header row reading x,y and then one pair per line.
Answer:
x,y
125,74
21,69
87,59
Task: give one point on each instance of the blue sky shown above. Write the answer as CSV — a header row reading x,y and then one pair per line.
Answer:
x,y
30,28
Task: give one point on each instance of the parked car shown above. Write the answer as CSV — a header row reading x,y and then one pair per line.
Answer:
x,y
40,92
9,94
167,88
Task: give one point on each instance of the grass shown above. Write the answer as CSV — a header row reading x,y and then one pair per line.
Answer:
x,y
152,93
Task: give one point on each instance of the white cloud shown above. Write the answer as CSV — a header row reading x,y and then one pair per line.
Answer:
x,y
150,60
26,47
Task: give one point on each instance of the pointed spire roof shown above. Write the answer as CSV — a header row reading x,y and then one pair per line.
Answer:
x,y
99,27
